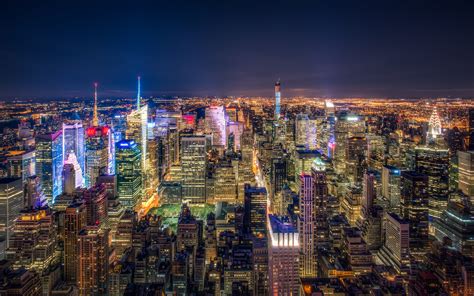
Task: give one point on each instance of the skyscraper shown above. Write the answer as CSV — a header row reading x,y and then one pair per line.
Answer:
x,y
128,168
277,100
355,249
330,111
434,127
34,240
471,129
235,128
391,186
396,249
368,192
193,168
306,227
347,125
434,163
21,164
93,257
11,203
49,164
305,132
100,156
100,149
216,125
283,255
255,210
75,219
95,199
414,208
73,142
356,151
457,224
466,172
278,175
320,191
137,128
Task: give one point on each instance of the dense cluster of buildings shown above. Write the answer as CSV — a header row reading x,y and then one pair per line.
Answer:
x,y
236,197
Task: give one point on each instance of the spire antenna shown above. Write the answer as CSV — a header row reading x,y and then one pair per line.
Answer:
x,y
95,118
138,94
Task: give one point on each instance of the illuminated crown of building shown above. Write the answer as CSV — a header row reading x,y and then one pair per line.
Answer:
x,y
434,125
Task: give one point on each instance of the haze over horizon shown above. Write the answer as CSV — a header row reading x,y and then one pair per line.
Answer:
x,y
237,48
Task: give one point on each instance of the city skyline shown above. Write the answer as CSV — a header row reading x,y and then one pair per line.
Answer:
x,y
236,149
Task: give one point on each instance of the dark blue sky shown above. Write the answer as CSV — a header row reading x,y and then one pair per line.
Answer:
x,y
345,48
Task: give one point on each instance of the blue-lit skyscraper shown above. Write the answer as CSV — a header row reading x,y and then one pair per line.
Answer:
x,y
128,168
277,100
49,164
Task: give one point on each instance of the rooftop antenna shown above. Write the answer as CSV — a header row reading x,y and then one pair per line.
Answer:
x,y
138,94
95,119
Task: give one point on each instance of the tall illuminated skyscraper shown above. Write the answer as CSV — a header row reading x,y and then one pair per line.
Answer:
x,y
129,173
21,164
306,227
75,220
95,199
100,149
255,206
93,261
391,186
193,168
466,172
471,129
34,240
278,176
100,156
414,208
277,100
216,125
320,191
137,127
434,162
368,192
457,224
283,257
347,125
73,141
356,151
237,129
434,126
330,111
305,132
49,164
396,250
11,203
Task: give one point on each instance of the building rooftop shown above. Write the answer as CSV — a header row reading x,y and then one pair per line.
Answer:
x,y
281,225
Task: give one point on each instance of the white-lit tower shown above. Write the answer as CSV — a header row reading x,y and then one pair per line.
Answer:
x,y
277,100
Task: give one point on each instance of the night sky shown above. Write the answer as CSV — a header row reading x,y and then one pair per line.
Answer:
x,y
342,48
